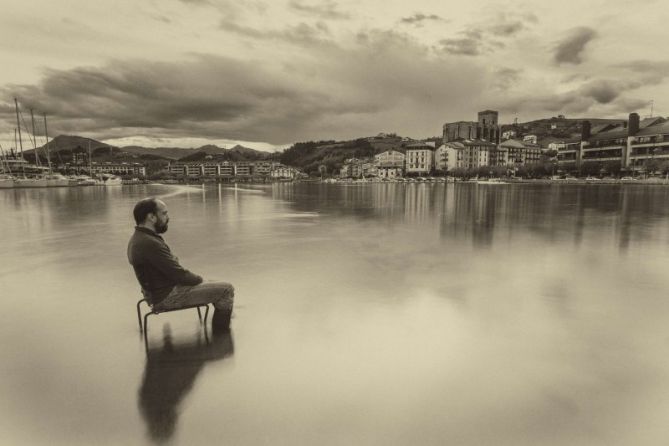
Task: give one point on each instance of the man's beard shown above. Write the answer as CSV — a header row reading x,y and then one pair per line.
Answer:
x,y
161,227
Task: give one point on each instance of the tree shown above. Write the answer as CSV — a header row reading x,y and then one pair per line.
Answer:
x,y
197,156
322,169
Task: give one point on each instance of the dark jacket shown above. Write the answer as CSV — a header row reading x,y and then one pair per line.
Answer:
x,y
157,270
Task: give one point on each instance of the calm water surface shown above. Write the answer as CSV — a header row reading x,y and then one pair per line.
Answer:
x,y
365,314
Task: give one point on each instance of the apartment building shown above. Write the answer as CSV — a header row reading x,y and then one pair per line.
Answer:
x,y
636,145
390,158
119,168
419,159
513,152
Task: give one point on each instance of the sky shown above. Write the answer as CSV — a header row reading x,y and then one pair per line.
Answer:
x,y
266,74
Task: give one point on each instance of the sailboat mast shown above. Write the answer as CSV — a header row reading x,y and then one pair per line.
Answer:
x,y
90,163
46,135
32,119
18,125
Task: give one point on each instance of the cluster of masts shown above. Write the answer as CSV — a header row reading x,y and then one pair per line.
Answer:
x,y
18,143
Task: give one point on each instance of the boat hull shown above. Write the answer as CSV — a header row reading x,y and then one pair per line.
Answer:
x,y
57,182
29,182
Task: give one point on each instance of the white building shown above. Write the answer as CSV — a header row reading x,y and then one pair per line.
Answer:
x,y
119,168
532,139
508,134
279,171
449,156
419,159
389,172
390,158
514,152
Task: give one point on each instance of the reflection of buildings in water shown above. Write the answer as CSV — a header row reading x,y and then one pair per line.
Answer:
x,y
484,219
470,213
625,226
387,199
556,213
169,374
417,202
283,191
56,208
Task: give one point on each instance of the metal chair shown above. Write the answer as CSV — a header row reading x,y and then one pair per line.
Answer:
x,y
153,311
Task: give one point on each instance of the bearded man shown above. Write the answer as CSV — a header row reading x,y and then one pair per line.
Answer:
x,y
166,285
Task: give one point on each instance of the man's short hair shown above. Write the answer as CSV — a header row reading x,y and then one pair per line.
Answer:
x,y
143,208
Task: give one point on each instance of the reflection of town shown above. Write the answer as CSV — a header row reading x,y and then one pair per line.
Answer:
x,y
479,213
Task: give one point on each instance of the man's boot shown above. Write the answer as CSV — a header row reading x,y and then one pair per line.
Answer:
x,y
220,322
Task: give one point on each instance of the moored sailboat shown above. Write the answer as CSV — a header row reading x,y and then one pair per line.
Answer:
x,y
6,181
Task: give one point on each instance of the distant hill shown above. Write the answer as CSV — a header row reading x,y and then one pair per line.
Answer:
x,y
556,128
71,142
310,155
66,144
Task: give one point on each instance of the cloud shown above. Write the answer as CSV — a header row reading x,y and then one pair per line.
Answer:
x,y
301,34
470,45
325,10
607,95
504,78
485,37
569,50
507,29
197,2
384,82
605,91
648,71
419,18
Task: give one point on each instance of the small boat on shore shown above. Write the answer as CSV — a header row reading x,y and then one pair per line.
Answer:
x,y
111,180
491,181
84,180
57,180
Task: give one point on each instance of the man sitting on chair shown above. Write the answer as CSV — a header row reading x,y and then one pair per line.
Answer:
x,y
166,285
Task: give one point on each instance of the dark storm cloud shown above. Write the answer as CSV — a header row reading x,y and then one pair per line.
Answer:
x,y
602,92
419,18
570,49
385,82
327,10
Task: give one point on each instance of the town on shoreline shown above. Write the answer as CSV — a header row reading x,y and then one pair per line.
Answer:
x,y
611,151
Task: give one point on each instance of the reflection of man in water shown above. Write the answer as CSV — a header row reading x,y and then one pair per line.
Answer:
x,y
165,283
168,377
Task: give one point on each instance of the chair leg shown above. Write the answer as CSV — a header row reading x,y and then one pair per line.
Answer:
x,y
146,325
199,315
139,314
206,313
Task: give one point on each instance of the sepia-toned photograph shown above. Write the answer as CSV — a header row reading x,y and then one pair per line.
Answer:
x,y
334,222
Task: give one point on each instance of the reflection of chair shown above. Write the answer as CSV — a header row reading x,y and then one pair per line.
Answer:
x,y
171,369
154,311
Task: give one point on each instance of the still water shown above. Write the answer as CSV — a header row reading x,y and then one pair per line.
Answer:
x,y
365,314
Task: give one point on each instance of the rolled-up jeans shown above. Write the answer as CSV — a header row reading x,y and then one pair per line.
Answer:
x,y
221,294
